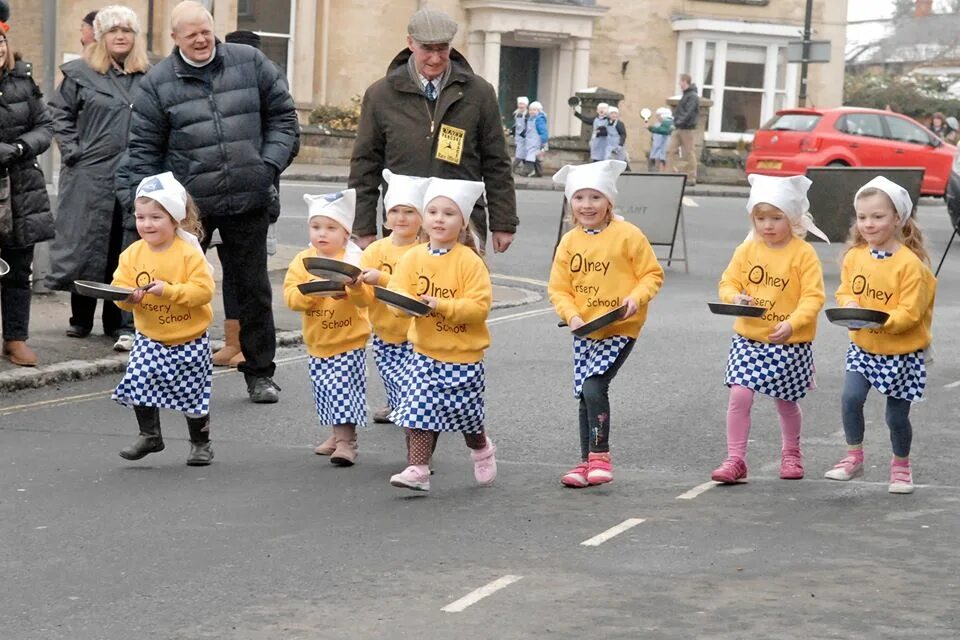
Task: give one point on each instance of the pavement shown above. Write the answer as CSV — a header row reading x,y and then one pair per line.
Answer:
x,y
63,358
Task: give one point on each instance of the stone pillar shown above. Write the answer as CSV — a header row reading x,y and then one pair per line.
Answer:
x,y
569,125
475,49
491,58
581,64
304,37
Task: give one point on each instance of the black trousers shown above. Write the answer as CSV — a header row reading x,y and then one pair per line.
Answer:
x,y
243,257
15,293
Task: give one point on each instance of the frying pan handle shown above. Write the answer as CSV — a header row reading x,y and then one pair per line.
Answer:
x,y
562,324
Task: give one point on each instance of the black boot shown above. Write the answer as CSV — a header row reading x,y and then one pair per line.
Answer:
x,y
201,453
149,440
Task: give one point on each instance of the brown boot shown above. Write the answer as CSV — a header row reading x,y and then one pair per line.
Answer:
x,y
346,452
231,347
17,352
327,447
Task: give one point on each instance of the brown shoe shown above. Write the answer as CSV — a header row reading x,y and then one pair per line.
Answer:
x,y
346,452
382,416
327,447
17,352
231,347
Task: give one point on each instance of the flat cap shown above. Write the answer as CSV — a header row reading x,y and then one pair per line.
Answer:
x,y
431,26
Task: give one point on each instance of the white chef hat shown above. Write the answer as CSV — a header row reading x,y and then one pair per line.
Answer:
x,y
789,194
114,16
613,110
340,206
464,193
897,194
404,191
523,100
166,190
602,105
601,176
665,112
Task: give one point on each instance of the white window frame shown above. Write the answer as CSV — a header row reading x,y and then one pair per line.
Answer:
x,y
291,40
698,32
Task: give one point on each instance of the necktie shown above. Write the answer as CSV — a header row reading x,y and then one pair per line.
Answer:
x,y
430,91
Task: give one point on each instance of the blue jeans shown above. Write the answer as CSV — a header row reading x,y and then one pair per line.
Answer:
x,y
855,389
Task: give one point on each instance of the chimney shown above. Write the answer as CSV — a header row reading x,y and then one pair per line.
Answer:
x,y
922,8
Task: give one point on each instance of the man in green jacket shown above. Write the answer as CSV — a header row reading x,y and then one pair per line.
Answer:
x,y
431,115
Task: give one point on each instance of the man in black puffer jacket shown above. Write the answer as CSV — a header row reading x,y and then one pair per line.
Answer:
x,y
220,117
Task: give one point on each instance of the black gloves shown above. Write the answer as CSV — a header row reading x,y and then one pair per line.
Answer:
x,y
8,153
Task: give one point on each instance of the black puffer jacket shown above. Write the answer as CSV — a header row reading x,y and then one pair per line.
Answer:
x,y
687,113
25,119
225,130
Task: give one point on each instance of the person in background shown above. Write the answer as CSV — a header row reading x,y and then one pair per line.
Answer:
x,y
598,139
519,132
660,129
25,219
685,119
954,133
91,118
616,137
86,29
536,140
939,126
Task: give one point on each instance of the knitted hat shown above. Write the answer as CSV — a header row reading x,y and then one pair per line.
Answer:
x,y
404,191
897,194
431,26
340,206
787,194
601,176
114,16
464,193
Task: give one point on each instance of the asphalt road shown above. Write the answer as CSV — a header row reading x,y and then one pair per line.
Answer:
x,y
273,542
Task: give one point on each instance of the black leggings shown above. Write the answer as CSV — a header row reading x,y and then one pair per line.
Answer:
x,y
595,407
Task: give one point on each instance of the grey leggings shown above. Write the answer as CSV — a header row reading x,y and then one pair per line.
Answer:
x,y
595,408
855,389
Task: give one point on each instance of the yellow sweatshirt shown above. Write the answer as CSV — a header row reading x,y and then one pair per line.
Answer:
x,y
456,331
383,255
787,282
594,273
903,286
330,326
183,313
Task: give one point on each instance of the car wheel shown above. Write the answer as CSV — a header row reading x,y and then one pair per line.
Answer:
x,y
837,163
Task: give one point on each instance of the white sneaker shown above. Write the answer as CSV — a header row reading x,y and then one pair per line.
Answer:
x,y
124,342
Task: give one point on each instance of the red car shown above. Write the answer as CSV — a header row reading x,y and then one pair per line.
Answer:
x,y
849,136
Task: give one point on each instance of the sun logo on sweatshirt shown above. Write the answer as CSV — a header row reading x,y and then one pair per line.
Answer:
x,y
144,278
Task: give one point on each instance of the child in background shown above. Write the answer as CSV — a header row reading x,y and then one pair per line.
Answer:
x,y
335,330
630,277
391,348
885,268
443,389
169,365
777,269
519,133
660,130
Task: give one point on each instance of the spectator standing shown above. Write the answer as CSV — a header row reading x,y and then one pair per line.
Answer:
x,y
685,119
220,117
431,115
91,117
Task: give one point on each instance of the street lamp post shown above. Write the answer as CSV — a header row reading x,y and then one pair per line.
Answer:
x,y
807,20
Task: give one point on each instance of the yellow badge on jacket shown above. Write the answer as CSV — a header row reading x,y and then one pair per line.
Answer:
x,y
450,144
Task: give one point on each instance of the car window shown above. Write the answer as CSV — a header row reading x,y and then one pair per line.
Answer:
x,y
793,122
860,124
906,131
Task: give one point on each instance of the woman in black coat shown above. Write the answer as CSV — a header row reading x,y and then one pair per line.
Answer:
x,y
25,132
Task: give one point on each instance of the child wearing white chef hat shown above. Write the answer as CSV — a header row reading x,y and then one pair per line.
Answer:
x,y
169,365
886,268
443,388
603,264
335,326
391,348
777,269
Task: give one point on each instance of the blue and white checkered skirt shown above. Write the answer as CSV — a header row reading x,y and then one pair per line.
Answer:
x,y
175,377
441,396
902,376
594,357
391,360
340,388
782,371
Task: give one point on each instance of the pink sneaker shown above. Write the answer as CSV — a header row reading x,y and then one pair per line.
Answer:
x,y
413,477
847,469
901,477
599,469
731,471
576,477
791,464
485,464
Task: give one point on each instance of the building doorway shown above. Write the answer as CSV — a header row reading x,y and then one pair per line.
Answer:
x,y
518,77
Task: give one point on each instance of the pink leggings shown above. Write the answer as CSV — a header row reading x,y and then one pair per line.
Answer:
x,y
738,422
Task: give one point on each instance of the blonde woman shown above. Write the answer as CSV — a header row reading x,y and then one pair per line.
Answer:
x,y
91,112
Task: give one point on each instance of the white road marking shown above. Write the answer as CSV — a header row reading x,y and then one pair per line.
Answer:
x,y
539,283
697,490
520,316
600,538
952,385
477,595
689,202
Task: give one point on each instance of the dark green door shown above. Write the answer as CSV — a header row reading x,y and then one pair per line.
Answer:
x,y
518,77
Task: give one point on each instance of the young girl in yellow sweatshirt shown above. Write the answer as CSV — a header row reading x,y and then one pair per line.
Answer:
x,y
602,264
169,365
391,348
444,384
885,268
335,329
777,269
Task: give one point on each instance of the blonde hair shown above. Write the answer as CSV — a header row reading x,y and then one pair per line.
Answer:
x,y
100,60
471,239
572,219
797,229
191,221
908,234
189,9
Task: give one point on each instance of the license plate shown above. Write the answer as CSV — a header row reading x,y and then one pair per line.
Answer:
x,y
769,164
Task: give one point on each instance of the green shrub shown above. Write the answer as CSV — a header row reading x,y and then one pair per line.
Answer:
x,y
335,118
